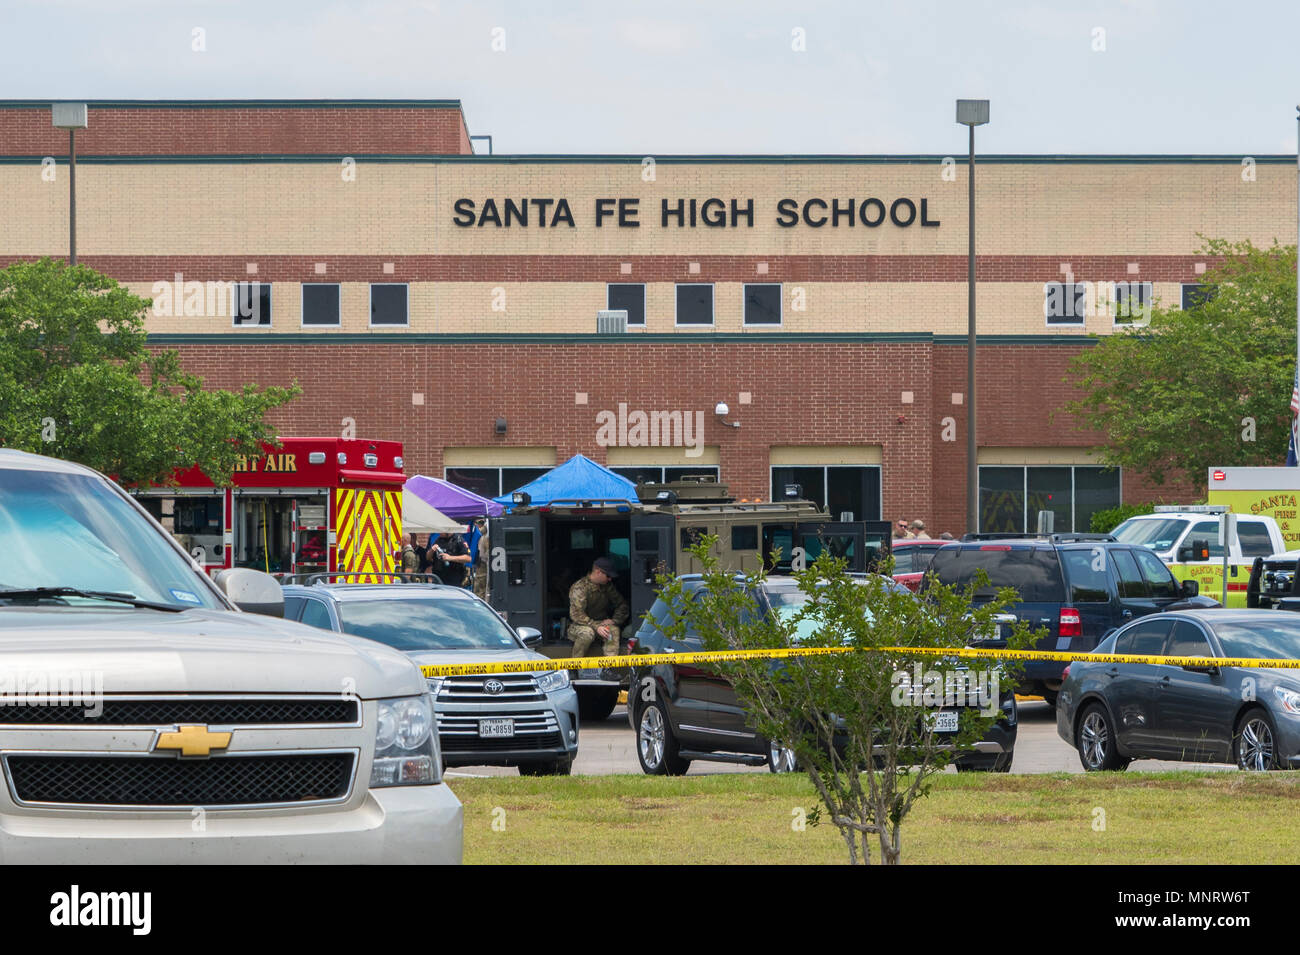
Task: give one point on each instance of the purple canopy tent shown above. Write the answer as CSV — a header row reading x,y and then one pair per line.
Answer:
x,y
456,502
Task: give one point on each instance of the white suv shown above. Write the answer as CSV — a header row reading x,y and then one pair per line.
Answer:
x,y
145,718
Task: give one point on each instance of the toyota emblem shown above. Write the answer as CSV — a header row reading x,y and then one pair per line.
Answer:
x,y
494,686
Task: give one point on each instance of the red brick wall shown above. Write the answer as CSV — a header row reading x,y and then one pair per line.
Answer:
x,y
803,393
253,130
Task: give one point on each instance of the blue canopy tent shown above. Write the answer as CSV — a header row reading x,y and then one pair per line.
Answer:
x,y
578,478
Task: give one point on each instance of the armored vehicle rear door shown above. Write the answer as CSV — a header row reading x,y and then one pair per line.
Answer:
x,y
515,575
653,552
845,539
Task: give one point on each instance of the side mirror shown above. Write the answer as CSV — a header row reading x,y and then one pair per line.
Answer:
x,y
1200,550
252,591
1191,588
530,636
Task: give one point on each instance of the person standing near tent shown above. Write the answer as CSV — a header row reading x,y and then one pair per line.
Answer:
x,y
480,552
597,609
472,536
450,558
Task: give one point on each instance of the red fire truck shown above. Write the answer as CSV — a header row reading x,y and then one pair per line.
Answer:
x,y
312,504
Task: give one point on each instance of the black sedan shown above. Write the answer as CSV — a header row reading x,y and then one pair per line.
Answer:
x,y
1113,713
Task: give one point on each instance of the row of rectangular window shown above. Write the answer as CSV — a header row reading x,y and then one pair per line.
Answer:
x,y
251,304
1127,303
1064,304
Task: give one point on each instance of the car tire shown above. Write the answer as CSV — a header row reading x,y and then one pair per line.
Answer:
x,y
656,746
1001,763
780,759
597,703
1254,741
1094,738
558,767
1049,697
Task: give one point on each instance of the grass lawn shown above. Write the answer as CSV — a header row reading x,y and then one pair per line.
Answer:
x,y
1179,817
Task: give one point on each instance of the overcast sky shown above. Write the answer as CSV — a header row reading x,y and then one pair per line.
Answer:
x,y
729,76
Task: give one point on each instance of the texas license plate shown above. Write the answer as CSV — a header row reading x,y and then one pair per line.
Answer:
x,y
497,727
944,721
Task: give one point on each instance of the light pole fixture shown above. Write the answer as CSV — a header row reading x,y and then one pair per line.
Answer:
x,y
72,117
971,113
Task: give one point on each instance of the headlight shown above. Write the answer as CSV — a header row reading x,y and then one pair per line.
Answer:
x,y
406,746
1289,699
552,680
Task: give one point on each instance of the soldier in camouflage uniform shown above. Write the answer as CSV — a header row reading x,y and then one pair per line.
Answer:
x,y
596,609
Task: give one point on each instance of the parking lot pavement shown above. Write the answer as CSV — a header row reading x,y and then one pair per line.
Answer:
x,y
609,746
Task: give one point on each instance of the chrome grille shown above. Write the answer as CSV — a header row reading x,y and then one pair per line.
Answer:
x,y
169,712
84,780
458,733
516,688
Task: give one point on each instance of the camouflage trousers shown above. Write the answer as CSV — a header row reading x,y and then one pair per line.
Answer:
x,y
583,637
480,582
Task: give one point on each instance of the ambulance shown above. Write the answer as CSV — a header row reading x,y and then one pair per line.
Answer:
x,y
539,552
1253,509
330,505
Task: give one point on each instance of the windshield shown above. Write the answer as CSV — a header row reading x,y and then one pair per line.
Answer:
x,y
74,530
1275,640
1034,572
427,623
1159,535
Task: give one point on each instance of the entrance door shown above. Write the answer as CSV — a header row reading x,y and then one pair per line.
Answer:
x,y
844,539
516,569
652,553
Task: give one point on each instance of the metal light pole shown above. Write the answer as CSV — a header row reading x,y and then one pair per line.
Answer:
x,y
971,113
72,117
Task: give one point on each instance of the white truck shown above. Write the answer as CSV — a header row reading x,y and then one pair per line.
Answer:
x,y
145,719
1191,541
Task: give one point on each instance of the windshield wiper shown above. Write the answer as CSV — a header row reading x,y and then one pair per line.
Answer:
x,y
39,593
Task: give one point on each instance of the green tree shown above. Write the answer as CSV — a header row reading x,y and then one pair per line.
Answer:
x,y
77,382
1204,387
857,721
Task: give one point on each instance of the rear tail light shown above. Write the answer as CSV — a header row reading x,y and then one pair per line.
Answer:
x,y
1071,624
1065,674
631,645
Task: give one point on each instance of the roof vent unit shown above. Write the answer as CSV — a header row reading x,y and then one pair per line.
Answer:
x,y
611,322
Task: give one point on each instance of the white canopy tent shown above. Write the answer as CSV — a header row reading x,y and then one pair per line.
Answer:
x,y
421,517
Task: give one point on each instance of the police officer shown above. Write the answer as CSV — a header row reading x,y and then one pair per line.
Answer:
x,y
596,609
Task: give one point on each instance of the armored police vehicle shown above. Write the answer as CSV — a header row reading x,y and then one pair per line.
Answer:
x,y
539,552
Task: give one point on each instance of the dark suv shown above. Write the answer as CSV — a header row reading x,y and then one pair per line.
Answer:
x,y
686,713
1079,587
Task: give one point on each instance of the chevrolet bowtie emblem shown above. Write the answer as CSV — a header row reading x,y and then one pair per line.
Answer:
x,y
193,741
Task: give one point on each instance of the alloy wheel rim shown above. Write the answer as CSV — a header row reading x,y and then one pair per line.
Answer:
x,y
1256,746
652,737
1095,737
781,757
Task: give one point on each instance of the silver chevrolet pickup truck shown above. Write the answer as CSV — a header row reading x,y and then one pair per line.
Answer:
x,y
145,718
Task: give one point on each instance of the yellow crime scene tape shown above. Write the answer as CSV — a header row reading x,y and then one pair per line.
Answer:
x,y
627,661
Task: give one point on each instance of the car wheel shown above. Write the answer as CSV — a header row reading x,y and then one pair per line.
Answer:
x,y
597,703
1049,697
656,746
1254,742
780,759
1094,738
559,767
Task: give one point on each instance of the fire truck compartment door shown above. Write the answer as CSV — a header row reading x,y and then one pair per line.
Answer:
x,y
652,553
515,574
841,538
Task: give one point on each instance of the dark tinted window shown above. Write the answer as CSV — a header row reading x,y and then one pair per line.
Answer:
x,y
1002,500
314,614
388,305
647,541
628,297
1188,640
1086,571
1065,303
1035,573
1196,295
1254,538
251,303
1146,637
762,304
1273,638
1131,583
519,541
320,304
292,607
1159,580
692,536
695,305
744,537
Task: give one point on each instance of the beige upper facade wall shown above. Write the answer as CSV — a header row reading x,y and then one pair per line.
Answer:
x,y
320,209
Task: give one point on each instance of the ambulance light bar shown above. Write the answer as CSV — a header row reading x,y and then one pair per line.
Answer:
x,y
1191,509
